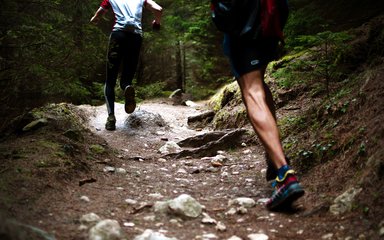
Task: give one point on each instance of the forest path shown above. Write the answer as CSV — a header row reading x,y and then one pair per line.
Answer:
x,y
129,197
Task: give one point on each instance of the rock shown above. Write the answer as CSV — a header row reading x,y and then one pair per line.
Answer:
x,y
149,218
89,219
185,205
190,103
97,149
155,195
121,171
343,203
141,119
109,169
149,234
84,198
258,236
182,171
231,211
262,201
207,219
170,147
35,124
161,207
74,135
128,224
381,231
208,236
234,238
242,202
130,201
201,120
106,230
242,210
327,236
220,227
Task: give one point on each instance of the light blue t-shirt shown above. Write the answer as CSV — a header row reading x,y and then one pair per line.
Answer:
x,y
128,14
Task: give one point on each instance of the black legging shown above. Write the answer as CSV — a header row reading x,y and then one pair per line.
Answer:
x,y
124,48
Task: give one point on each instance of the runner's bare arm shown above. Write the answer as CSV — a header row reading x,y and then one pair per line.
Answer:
x,y
156,9
97,15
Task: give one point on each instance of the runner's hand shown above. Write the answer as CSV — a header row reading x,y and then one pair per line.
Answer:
x,y
155,25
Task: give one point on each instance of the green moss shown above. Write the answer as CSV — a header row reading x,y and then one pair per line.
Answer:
x,y
227,93
97,149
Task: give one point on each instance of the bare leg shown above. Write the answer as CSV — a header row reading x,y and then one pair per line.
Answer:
x,y
260,115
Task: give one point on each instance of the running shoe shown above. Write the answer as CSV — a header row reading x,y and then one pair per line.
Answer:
x,y
271,173
130,103
287,190
111,123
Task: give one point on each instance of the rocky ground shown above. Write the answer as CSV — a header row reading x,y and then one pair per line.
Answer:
x,y
69,178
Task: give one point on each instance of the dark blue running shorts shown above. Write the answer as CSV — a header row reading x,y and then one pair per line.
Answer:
x,y
247,55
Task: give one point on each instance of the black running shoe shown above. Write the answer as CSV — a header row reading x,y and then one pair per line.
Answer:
x,y
287,190
130,103
111,123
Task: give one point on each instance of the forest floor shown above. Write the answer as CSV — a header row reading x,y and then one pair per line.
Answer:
x,y
49,181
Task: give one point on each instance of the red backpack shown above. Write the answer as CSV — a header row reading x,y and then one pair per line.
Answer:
x,y
250,18
273,17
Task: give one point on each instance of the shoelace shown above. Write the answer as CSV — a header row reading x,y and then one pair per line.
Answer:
x,y
275,183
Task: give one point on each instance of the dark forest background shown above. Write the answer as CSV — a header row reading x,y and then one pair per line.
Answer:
x,y
49,52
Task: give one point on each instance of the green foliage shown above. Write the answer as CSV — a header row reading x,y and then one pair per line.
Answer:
x,y
149,91
46,55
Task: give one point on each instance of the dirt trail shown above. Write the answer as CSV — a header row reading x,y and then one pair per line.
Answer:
x,y
144,177
149,180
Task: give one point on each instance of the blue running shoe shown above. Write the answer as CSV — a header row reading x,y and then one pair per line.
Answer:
x,y
287,190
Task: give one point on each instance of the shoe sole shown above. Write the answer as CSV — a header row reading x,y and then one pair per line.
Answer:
x,y
130,103
294,192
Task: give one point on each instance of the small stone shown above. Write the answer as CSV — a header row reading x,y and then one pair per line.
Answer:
x,y
208,236
90,218
234,238
381,232
162,160
128,224
130,201
231,211
186,205
242,210
82,227
242,201
220,227
109,169
152,235
299,232
258,236
84,198
207,219
344,202
248,151
170,147
182,171
327,236
121,171
224,174
161,207
156,195
150,218
262,201
106,229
